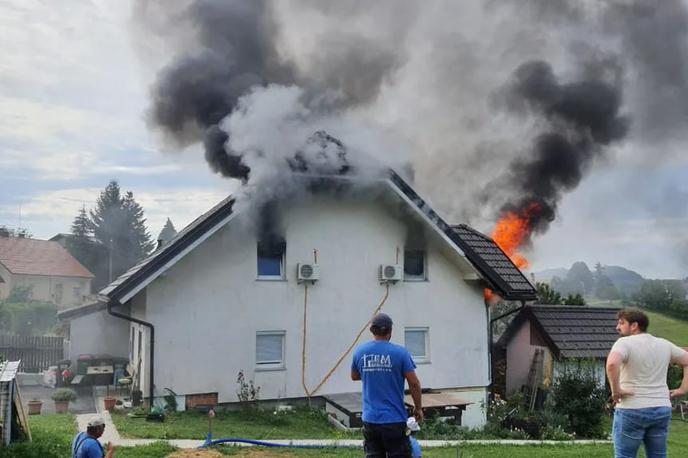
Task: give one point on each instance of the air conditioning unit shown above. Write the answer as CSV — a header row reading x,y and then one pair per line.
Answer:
x,y
390,273
307,272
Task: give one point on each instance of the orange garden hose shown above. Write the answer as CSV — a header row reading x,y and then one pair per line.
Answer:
x,y
308,392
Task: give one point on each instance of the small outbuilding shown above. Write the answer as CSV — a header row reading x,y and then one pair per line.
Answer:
x,y
13,423
543,340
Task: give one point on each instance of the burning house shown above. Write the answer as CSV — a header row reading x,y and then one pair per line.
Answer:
x,y
278,280
281,295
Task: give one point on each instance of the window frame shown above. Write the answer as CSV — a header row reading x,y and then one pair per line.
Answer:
x,y
416,278
424,359
271,365
283,262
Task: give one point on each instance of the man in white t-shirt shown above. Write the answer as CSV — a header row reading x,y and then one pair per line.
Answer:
x,y
637,369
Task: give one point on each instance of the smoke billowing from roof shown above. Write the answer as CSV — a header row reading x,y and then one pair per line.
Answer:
x,y
581,118
497,105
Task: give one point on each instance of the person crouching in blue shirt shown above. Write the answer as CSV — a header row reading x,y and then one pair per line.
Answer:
x,y
383,367
86,445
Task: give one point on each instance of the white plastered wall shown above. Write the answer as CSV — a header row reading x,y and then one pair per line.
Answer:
x,y
208,307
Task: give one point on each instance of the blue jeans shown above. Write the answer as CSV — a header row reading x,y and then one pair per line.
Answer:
x,y
635,426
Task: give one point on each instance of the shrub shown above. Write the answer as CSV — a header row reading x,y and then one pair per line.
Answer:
x,y
674,376
576,394
247,391
27,318
436,428
555,433
64,394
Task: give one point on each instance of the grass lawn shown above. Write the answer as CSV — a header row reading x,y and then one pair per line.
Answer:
x,y
299,424
678,446
673,329
53,435
52,438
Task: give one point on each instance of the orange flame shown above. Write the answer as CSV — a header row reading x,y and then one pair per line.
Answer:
x,y
510,233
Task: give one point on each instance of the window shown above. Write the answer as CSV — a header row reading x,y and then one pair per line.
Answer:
x,y
58,293
414,265
77,293
271,258
270,349
416,342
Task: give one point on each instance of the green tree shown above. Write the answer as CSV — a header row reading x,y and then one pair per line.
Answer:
x,y
574,299
20,232
81,226
658,294
168,232
89,252
547,295
117,222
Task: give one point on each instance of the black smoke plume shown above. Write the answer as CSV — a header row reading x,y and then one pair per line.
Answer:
x,y
199,88
233,50
582,119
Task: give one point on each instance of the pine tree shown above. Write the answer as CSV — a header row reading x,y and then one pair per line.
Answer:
x,y
81,227
168,232
86,250
140,238
118,223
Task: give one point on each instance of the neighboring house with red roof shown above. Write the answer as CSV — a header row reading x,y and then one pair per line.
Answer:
x,y
47,268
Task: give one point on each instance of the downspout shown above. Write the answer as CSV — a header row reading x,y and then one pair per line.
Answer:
x,y
490,334
151,384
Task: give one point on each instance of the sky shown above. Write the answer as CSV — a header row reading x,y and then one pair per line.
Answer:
x,y
74,90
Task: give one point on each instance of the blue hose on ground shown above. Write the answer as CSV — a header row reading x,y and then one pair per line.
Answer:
x,y
209,442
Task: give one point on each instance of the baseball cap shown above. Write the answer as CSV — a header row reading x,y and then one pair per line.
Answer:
x,y
96,420
412,424
382,321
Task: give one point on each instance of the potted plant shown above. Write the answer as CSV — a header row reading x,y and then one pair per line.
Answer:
x,y
109,401
62,396
35,406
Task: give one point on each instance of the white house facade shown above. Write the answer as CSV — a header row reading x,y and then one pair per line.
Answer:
x,y
230,302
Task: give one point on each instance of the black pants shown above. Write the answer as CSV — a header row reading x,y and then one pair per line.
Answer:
x,y
387,440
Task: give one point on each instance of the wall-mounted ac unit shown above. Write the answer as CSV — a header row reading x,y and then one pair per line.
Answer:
x,y
307,272
390,273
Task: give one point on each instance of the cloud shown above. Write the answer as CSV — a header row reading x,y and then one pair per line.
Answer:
x,y
39,212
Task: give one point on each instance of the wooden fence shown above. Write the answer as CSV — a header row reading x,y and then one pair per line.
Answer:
x,y
35,352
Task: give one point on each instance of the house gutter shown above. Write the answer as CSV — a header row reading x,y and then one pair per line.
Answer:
x,y
490,334
151,384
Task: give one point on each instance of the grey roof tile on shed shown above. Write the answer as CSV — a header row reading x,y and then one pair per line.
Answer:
x,y
572,331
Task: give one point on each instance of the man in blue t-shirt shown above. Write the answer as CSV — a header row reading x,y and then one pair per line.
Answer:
x,y
86,445
382,367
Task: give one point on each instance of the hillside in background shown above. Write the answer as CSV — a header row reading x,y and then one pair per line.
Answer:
x,y
579,279
673,329
546,275
627,281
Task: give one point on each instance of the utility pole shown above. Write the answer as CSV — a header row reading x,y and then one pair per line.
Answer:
x,y
110,262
